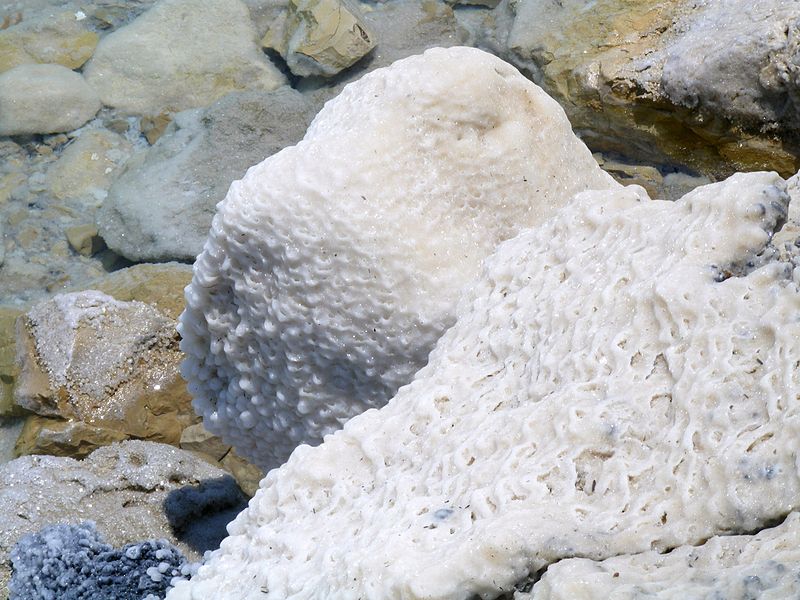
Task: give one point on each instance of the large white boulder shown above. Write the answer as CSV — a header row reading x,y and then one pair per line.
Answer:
x,y
621,378
333,267
181,54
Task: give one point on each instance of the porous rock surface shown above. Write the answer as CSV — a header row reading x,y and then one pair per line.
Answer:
x,y
161,206
621,378
333,267
764,565
180,54
44,99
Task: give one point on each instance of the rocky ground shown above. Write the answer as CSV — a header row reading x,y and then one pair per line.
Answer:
x,y
123,122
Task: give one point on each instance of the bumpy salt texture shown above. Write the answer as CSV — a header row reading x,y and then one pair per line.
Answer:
x,y
765,566
623,378
333,267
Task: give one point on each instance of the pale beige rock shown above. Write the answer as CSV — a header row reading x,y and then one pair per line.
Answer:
x,y
320,37
84,239
180,54
44,99
198,439
56,38
114,365
88,165
246,474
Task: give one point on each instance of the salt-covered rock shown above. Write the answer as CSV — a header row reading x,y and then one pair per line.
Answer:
x,y
764,565
44,99
710,85
114,365
621,378
334,266
180,54
320,37
161,206
88,165
47,37
73,562
122,488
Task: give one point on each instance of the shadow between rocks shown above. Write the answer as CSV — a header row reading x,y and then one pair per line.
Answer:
x,y
199,514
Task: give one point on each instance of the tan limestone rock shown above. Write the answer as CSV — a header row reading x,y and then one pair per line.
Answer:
x,y
320,37
60,38
113,365
87,166
84,239
56,437
197,438
160,285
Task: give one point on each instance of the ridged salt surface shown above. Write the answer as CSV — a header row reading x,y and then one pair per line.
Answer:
x,y
764,566
622,378
333,267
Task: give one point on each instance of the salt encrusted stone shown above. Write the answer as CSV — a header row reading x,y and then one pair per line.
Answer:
x,y
621,378
44,99
333,267
764,565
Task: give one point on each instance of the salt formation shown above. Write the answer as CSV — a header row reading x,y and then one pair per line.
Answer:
x,y
622,378
333,267
72,562
765,565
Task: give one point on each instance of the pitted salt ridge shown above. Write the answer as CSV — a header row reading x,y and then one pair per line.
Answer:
x,y
333,267
602,392
764,565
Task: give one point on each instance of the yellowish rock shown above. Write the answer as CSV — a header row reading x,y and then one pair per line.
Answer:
x,y
53,38
8,365
160,285
246,474
112,365
56,437
84,239
197,438
154,127
320,37
87,166
8,183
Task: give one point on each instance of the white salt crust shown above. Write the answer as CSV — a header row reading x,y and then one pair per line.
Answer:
x,y
333,267
764,566
622,378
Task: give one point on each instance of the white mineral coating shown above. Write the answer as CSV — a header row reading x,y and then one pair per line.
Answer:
x,y
333,267
181,54
764,565
123,488
736,58
44,99
621,378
